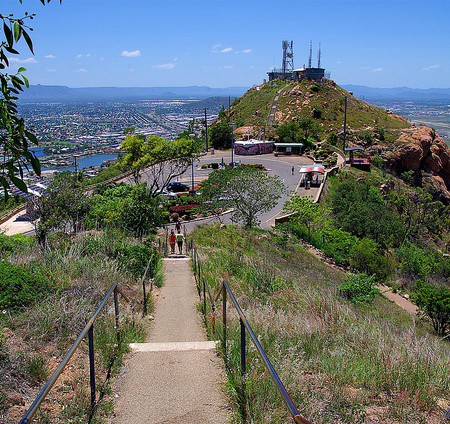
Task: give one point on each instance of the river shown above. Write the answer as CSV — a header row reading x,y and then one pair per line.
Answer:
x,y
85,162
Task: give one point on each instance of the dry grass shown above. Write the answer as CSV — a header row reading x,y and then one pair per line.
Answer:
x,y
34,340
340,363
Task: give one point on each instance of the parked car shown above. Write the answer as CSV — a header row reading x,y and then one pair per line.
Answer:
x,y
177,187
169,195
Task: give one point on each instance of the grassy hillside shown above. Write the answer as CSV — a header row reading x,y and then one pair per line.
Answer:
x,y
47,298
339,362
323,102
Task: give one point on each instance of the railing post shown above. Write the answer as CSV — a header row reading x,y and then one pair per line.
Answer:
x,y
116,310
224,322
144,312
243,372
204,295
92,364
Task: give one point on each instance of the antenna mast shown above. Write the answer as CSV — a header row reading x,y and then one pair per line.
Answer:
x,y
320,53
310,55
288,58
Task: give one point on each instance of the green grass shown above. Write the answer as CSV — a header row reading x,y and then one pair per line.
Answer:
x,y
338,361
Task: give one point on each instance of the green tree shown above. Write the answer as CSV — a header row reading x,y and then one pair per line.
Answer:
x,y
161,159
141,212
434,302
250,191
15,139
288,132
129,130
309,127
65,203
220,135
308,213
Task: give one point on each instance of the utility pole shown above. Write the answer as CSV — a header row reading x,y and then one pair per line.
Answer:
x,y
232,145
206,131
345,122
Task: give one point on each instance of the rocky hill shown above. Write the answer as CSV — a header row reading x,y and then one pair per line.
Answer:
x,y
400,145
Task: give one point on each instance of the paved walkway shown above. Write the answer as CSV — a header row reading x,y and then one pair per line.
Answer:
x,y
176,377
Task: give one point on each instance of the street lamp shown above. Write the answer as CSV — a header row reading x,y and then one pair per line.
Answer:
x,y
232,145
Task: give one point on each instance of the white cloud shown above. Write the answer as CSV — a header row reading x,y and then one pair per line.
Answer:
x,y
166,66
51,70
135,53
431,67
226,50
216,47
247,51
79,56
227,67
22,61
50,56
80,71
368,68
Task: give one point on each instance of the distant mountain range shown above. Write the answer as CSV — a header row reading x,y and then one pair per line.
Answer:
x,y
403,94
54,93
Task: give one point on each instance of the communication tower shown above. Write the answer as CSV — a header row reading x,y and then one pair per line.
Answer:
x,y
310,55
288,58
318,56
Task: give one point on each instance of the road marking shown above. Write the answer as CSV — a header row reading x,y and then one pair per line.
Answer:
x,y
172,346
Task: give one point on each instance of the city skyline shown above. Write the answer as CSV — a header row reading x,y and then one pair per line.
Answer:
x,y
216,43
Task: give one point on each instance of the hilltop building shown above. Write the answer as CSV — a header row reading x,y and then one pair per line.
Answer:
x,y
287,71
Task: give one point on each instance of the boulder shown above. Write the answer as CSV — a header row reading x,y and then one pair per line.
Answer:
x,y
423,151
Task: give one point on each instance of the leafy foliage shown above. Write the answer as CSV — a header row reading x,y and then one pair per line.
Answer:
x,y
65,203
359,288
19,285
134,209
288,132
14,137
434,301
360,209
162,159
220,135
250,191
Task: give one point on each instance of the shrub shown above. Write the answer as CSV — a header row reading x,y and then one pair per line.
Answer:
x,y
215,165
332,139
13,243
434,302
135,258
315,87
19,285
377,161
359,289
182,208
317,113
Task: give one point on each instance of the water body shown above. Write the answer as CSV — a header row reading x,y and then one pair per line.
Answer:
x,y
82,163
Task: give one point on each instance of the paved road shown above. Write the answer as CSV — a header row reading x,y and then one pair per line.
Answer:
x,y
176,377
280,166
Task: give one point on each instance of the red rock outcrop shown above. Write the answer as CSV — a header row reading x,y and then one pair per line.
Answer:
x,y
423,150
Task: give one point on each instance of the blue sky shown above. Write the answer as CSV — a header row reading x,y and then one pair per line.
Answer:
x,y
218,43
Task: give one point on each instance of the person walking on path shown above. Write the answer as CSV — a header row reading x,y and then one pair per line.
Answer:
x,y
293,170
178,226
172,240
180,238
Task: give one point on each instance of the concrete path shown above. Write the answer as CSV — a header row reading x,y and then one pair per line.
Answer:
x,y
176,377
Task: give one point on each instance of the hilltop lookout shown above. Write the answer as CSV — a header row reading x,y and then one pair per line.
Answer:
x,y
287,71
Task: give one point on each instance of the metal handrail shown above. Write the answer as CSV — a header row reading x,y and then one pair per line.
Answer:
x,y
224,289
87,329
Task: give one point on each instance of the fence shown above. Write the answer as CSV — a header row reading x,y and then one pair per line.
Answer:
x,y
203,289
88,330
